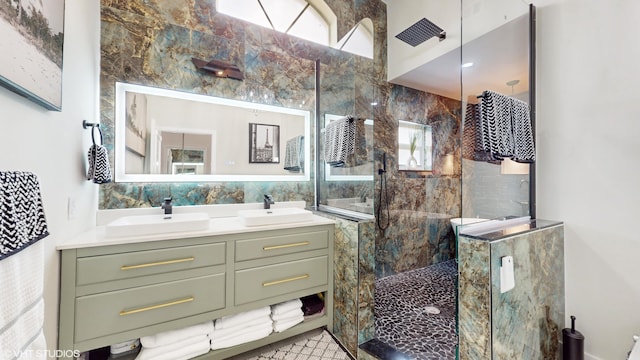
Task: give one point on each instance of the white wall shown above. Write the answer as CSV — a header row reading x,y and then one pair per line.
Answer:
x,y
53,144
588,139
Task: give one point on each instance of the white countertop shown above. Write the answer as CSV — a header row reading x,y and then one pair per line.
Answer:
x,y
223,222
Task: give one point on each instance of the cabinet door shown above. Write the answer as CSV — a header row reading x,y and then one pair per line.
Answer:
x,y
96,269
267,281
264,247
116,311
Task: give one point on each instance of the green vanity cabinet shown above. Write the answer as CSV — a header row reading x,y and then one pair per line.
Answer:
x,y
117,292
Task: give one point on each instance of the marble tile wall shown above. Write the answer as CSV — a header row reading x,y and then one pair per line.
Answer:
x,y
151,42
525,322
354,266
420,204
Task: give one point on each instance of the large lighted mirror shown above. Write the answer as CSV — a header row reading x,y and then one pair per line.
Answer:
x,y
167,135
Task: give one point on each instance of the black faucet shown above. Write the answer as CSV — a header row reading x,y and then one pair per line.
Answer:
x,y
268,201
168,208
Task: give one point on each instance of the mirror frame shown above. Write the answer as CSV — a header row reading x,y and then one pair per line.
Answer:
x,y
120,128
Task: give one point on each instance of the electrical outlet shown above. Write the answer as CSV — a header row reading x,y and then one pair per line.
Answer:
x,y
72,207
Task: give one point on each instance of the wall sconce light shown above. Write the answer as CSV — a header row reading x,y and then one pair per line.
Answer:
x,y
219,68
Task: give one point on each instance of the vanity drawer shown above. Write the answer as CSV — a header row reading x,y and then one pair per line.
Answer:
x,y
263,247
122,310
96,269
267,281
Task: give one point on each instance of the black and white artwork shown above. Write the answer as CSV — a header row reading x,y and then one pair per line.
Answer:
x,y
264,143
31,42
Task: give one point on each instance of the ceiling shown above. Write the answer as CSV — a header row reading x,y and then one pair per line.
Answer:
x,y
499,56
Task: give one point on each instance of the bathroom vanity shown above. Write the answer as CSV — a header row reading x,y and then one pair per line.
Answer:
x,y
116,289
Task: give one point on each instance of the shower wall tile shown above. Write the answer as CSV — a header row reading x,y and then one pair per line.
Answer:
x,y
345,270
354,268
527,321
420,205
474,299
366,280
524,322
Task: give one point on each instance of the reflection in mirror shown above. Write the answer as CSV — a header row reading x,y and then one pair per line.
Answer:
x,y
497,51
363,170
166,135
415,146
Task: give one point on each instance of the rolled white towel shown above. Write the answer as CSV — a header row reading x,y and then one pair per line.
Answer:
x,y
124,346
283,307
241,318
172,336
248,334
263,321
280,326
181,350
289,315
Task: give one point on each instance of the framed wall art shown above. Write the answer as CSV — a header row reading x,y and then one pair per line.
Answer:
x,y
264,143
32,42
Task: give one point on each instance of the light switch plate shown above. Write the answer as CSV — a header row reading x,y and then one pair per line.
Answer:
x,y
507,276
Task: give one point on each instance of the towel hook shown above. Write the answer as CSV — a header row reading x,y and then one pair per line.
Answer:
x,y
86,124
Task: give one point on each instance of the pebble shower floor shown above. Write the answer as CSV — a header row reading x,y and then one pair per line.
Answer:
x,y
403,312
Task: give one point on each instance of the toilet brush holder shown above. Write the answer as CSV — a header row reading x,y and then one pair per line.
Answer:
x,y
572,342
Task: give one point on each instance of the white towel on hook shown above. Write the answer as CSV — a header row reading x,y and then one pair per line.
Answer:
x,y
22,305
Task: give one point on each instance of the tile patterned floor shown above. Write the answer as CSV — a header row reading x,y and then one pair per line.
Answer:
x,y
315,345
403,311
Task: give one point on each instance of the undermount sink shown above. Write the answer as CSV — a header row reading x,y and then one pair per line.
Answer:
x,y
138,225
274,216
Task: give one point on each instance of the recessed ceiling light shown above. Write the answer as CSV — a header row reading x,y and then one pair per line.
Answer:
x,y
466,65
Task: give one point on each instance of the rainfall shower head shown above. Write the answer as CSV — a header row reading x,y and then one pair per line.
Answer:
x,y
420,32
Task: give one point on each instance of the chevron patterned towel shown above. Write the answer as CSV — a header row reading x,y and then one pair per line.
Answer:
x,y
506,127
472,136
22,220
294,154
497,132
339,141
99,170
523,142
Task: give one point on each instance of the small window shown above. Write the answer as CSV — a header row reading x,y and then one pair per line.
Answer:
x,y
415,146
311,26
311,20
359,40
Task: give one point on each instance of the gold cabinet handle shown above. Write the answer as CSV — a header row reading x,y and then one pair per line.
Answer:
x,y
159,306
275,247
271,283
168,262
